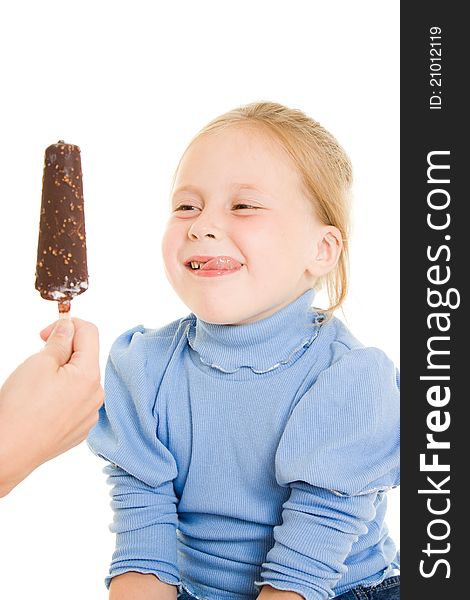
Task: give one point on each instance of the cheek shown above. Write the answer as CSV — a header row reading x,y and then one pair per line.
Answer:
x,y
273,238
283,247
253,241
262,247
169,243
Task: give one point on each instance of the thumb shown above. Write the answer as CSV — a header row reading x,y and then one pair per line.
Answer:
x,y
59,343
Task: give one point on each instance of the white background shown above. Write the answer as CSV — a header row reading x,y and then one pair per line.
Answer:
x,y
131,83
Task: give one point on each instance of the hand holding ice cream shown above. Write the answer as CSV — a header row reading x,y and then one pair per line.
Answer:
x,y
50,402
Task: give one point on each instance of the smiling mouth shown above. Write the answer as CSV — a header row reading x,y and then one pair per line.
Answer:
x,y
217,268
215,263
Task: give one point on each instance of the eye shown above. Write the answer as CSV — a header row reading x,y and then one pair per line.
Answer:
x,y
183,207
245,206
190,207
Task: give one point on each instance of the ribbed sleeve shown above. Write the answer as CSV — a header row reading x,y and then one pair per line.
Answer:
x,y
339,449
142,469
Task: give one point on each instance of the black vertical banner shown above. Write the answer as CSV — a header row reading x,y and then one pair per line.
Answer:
x,y
435,260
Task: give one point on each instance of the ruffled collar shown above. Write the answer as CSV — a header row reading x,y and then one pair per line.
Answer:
x,y
261,346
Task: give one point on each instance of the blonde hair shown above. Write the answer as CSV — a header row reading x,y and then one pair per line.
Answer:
x,y
325,171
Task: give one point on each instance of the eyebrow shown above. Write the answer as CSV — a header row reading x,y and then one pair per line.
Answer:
x,y
236,187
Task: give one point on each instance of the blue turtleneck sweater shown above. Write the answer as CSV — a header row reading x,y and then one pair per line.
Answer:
x,y
243,455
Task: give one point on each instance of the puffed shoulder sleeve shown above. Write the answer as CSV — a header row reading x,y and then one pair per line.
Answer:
x,y
141,469
343,435
339,448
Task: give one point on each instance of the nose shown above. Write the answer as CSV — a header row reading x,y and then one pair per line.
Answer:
x,y
205,226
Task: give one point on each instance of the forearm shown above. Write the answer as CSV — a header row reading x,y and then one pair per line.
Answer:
x,y
15,463
314,540
139,586
270,593
6,485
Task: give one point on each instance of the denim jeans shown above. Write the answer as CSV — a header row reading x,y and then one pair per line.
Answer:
x,y
389,589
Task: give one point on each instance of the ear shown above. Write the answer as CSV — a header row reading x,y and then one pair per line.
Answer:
x,y
327,252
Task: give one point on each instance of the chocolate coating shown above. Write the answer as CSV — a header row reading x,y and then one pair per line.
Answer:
x,y
61,267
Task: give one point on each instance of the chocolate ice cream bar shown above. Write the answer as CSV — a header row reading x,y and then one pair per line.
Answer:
x,y
61,268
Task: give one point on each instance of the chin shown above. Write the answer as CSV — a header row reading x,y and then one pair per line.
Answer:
x,y
217,315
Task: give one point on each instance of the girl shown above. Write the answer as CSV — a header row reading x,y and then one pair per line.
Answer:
x,y
252,442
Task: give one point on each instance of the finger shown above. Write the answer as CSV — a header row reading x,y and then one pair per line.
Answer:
x,y
60,341
85,347
46,332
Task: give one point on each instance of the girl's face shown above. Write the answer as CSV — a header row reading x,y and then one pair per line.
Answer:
x,y
237,194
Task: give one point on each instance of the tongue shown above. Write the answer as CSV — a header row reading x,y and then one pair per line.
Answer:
x,y
221,263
